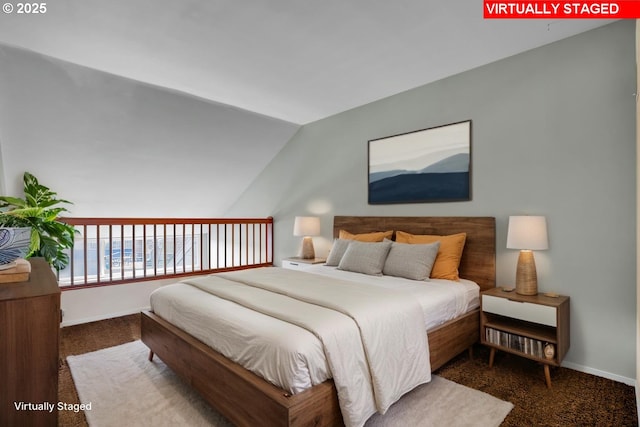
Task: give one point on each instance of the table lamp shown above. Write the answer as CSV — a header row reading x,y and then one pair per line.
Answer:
x,y
305,227
527,233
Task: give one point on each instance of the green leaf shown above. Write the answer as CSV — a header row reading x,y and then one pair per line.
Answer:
x,y
34,244
31,201
13,201
28,212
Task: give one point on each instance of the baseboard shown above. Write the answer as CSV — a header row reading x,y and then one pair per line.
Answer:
x,y
619,378
102,317
638,402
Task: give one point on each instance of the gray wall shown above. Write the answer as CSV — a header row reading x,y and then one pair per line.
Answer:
x,y
118,147
553,134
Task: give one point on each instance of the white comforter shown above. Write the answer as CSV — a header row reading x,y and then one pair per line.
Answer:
x,y
283,353
373,339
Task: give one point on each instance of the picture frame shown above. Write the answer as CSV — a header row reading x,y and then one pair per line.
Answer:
x,y
423,166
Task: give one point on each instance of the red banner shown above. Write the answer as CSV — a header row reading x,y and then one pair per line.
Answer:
x,y
629,9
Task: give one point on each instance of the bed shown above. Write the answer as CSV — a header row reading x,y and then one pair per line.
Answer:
x,y
228,386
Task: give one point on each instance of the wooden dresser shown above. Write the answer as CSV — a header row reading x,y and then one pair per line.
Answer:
x,y
29,339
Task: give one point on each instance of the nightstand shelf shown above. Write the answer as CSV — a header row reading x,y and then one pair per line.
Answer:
x,y
521,327
525,325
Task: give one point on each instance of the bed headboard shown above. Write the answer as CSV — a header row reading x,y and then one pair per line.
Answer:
x,y
478,258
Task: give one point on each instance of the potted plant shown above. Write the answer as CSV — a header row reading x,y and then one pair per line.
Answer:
x,y
39,210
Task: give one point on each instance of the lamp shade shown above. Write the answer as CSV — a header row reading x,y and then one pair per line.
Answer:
x,y
306,226
527,232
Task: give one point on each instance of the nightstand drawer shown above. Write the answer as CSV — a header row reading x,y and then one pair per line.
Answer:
x,y
301,263
295,265
535,313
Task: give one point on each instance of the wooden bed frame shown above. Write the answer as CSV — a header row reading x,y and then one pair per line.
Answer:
x,y
248,400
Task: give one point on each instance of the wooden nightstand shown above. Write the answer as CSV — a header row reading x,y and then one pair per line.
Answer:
x,y
296,263
535,327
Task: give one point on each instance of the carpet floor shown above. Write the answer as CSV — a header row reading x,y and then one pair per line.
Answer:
x,y
116,377
576,399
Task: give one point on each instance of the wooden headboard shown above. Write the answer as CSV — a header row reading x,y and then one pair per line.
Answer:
x,y
478,258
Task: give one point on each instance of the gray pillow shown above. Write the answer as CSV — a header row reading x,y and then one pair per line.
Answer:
x,y
337,251
365,257
411,261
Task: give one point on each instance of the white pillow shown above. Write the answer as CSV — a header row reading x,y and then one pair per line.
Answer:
x,y
411,261
365,257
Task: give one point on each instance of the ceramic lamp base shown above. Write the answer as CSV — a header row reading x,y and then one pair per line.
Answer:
x,y
526,277
307,248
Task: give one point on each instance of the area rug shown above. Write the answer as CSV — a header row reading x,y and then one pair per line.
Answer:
x,y
119,386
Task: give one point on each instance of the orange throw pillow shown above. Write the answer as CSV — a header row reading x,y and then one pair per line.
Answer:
x,y
449,254
378,236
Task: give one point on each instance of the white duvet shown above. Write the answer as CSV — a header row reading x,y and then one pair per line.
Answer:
x,y
296,344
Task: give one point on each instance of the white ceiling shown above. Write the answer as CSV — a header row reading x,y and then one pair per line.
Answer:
x,y
295,60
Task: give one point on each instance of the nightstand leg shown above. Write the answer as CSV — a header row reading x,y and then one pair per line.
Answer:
x,y
547,375
471,353
150,356
491,356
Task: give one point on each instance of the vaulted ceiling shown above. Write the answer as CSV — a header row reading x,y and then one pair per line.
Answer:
x,y
264,68
294,60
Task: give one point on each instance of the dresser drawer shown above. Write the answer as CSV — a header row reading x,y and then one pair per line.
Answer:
x,y
535,313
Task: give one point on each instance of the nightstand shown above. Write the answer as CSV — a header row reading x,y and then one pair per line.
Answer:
x,y
535,327
296,263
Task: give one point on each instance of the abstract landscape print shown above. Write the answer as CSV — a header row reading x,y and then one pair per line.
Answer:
x,y
429,165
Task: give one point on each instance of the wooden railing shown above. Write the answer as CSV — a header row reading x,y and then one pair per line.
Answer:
x,y
122,250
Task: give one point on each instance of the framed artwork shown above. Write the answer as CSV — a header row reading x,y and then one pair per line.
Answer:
x,y
429,165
